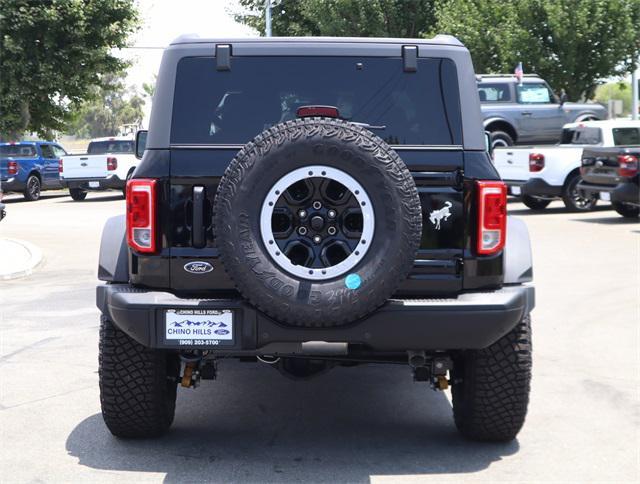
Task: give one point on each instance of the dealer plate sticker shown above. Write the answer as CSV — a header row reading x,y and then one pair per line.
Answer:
x,y
191,327
606,196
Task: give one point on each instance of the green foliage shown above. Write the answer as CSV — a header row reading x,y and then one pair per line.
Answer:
x,y
615,90
53,55
346,18
573,44
110,107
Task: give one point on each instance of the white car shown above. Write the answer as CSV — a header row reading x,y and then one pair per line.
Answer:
x,y
540,174
107,165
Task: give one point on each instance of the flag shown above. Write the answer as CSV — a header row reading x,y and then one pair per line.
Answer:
x,y
519,72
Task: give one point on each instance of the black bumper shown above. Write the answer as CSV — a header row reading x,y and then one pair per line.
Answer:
x,y
13,185
626,192
537,187
470,321
112,182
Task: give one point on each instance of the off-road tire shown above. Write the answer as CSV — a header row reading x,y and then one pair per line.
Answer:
x,y
626,210
137,385
534,203
500,139
337,144
491,387
77,194
33,189
569,194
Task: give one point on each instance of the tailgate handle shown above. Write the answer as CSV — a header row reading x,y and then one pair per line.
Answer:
x,y
198,217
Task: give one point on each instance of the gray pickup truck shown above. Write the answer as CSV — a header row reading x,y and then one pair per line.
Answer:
x,y
528,111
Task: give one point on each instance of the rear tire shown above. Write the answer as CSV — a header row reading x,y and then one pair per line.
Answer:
x,y
137,385
500,139
33,189
77,194
535,203
626,210
491,387
574,199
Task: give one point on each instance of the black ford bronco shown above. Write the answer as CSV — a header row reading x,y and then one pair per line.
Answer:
x,y
307,203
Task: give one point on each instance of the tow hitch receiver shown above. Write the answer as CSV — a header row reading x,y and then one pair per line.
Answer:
x,y
430,369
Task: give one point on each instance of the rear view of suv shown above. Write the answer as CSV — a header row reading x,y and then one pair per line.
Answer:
x,y
310,203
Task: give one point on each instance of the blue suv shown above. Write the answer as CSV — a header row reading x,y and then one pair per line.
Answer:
x,y
30,167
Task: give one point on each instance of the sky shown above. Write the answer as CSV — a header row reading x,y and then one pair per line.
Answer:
x,y
164,20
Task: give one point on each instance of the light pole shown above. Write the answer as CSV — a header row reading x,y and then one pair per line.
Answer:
x,y
634,94
268,4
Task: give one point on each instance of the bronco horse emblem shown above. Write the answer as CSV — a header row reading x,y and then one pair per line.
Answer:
x,y
439,215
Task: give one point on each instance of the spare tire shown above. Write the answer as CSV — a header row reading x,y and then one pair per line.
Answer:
x,y
317,221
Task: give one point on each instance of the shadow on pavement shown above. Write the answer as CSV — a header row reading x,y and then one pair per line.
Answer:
x,y
615,219
17,198
253,424
554,210
90,199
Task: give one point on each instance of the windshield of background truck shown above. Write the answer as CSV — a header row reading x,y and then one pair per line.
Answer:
x,y
231,107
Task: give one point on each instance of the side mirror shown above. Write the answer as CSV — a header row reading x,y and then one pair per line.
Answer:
x,y
141,143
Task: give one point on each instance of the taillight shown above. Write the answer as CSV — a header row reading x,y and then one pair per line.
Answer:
x,y
141,215
627,165
112,164
492,216
60,166
327,111
12,168
536,162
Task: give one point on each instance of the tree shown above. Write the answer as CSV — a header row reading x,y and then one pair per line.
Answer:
x,y
573,44
345,18
111,106
53,55
615,91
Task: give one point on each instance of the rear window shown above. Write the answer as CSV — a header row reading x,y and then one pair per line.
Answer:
x,y
626,136
18,151
494,92
231,107
587,136
102,147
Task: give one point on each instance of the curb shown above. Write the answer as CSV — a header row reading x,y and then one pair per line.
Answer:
x,y
33,259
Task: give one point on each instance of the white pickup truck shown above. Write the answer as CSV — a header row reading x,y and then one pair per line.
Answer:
x,y
540,174
107,165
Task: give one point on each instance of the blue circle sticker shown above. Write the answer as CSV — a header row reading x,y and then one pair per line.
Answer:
x,y
352,281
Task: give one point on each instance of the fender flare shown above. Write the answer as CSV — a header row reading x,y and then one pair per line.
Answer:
x,y
518,265
113,264
494,119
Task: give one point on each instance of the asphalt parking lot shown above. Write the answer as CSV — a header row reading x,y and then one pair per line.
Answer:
x,y
349,425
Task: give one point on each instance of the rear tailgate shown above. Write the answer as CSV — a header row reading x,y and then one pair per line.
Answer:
x,y
512,163
84,166
600,166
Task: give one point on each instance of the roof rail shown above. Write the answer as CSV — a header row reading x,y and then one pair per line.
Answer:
x,y
506,75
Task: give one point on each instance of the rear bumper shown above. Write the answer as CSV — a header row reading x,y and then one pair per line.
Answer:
x,y
626,192
470,321
13,184
112,182
537,187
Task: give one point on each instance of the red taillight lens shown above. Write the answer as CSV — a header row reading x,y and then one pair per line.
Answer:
x,y
112,164
536,162
492,216
12,168
141,215
627,165
327,111
60,166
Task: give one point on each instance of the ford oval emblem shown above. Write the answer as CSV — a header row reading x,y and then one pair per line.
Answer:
x,y
198,267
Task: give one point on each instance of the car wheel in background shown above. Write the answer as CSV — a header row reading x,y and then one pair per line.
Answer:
x,y
626,210
32,190
500,139
576,200
77,194
535,203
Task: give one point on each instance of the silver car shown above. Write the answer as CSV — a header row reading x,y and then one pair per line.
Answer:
x,y
528,111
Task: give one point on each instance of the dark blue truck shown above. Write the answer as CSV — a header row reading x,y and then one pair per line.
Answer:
x,y
30,167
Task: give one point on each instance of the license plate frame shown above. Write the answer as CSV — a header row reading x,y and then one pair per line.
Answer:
x,y
516,190
198,327
94,184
